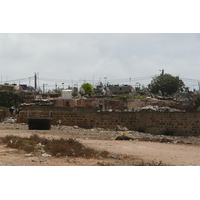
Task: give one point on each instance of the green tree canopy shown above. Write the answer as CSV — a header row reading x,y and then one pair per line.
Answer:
x,y
9,99
166,83
88,88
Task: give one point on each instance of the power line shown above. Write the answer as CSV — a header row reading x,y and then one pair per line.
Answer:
x,y
131,80
100,79
21,79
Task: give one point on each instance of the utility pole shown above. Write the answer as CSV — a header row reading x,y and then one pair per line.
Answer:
x,y
56,88
35,81
43,88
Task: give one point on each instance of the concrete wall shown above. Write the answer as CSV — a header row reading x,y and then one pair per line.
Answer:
x,y
67,118
184,123
151,122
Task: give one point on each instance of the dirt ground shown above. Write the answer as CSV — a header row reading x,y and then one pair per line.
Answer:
x,y
140,149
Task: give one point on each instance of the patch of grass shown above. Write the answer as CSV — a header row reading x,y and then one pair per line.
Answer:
x,y
124,97
198,109
56,147
142,97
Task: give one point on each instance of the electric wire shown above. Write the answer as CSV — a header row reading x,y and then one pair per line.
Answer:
x,y
72,82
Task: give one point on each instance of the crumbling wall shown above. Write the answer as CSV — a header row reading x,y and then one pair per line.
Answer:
x,y
171,123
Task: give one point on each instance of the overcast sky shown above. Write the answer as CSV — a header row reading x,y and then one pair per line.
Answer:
x,y
94,56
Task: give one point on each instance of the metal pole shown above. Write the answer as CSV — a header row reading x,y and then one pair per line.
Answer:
x,y
43,88
35,81
56,87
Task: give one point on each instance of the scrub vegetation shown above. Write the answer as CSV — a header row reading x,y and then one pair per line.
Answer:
x,y
55,147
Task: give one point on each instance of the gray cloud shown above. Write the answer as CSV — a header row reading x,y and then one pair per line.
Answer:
x,y
84,56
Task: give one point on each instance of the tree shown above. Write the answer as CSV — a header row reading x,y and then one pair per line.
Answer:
x,y
141,91
9,99
167,84
88,88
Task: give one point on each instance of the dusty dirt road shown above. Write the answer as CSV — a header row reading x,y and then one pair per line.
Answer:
x,y
169,154
173,151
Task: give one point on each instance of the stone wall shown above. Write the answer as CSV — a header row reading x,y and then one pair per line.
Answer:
x,y
151,122
66,118
176,123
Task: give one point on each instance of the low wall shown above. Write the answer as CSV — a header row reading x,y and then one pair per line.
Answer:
x,y
151,122
183,123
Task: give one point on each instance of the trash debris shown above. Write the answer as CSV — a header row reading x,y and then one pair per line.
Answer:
x,y
46,155
156,109
58,155
39,145
121,128
10,120
29,155
115,157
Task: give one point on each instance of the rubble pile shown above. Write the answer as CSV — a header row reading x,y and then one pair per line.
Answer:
x,y
156,109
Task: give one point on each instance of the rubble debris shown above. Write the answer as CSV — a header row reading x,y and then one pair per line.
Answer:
x,y
46,155
115,157
156,109
121,128
9,120
29,155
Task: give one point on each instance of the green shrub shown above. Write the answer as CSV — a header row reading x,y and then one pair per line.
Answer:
x,y
124,97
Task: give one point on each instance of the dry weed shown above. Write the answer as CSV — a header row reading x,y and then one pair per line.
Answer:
x,y
56,147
